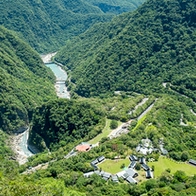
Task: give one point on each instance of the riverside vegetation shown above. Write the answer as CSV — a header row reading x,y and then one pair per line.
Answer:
x,y
135,53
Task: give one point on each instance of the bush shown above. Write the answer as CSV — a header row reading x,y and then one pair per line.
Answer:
x,y
113,124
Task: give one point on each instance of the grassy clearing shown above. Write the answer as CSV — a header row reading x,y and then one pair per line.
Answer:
x,y
114,166
164,163
105,132
142,176
139,122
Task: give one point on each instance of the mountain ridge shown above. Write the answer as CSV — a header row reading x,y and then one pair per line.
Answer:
x,y
25,81
148,47
47,24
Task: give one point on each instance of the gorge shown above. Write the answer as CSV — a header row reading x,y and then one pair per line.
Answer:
x,y
20,141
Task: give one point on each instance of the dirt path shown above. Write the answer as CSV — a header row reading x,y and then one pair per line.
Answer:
x,y
38,167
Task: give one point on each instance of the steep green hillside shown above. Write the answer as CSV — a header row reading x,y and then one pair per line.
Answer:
x,y
13,184
65,121
47,24
136,51
115,6
25,81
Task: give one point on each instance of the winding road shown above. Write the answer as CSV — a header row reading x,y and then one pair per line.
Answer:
x,y
123,128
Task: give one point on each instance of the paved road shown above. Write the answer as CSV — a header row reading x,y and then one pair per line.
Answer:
x,y
146,111
139,104
124,127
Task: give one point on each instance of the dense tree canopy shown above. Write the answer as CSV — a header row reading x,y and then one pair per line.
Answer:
x,y
115,6
25,82
66,121
136,51
47,24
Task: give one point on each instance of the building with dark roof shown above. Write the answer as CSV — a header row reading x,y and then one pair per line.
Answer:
x,y
142,160
133,158
105,175
101,158
94,162
131,180
88,174
145,167
133,164
149,174
125,175
131,172
193,162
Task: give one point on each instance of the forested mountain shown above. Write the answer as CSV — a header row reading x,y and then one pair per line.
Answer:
x,y
47,24
115,6
151,51
64,121
136,51
25,81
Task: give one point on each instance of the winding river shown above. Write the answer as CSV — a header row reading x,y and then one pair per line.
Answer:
x,y
61,77
19,142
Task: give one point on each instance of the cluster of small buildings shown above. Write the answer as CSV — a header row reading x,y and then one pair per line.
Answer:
x,y
142,162
128,174
105,175
146,147
96,161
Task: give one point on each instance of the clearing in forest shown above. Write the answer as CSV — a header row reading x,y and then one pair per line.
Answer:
x,y
114,166
164,163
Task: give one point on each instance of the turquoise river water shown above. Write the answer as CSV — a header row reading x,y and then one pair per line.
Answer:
x,y
61,77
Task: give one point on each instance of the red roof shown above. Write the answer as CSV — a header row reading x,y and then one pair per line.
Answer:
x,y
83,147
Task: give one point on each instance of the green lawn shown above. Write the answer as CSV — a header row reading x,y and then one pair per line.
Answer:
x,y
164,163
113,166
106,131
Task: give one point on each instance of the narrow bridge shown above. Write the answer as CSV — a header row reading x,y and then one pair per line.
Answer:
x,y
60,81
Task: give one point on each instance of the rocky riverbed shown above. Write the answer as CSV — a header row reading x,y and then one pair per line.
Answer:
x,y
18,146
